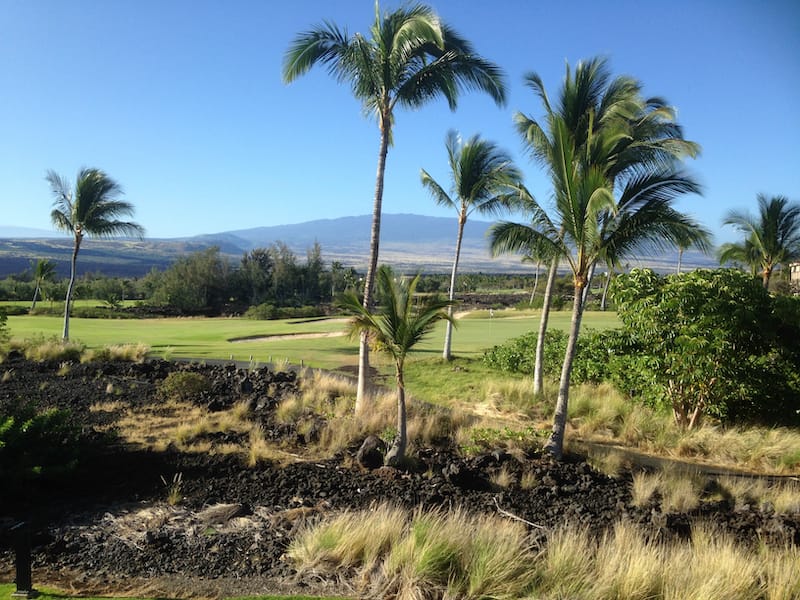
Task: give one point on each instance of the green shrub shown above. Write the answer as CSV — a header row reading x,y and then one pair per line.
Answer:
x,y
34,445
591,362
262,312
710,342
4,335
183,385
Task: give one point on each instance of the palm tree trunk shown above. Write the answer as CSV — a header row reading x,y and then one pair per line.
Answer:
x,y
680,258
588,287
604,299
68,299
538,365
374,242
766,277
535,282
555,445
397,452
448,331
35,294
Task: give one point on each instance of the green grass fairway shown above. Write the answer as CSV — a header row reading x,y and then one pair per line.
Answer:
x,y
205,338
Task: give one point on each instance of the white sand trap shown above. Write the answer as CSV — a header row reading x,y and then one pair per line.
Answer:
x,y
288,336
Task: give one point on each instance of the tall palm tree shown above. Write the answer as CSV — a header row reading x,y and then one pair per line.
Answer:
x,y
588,146
90,209
43,270
396,327
483,180
773,236
409,58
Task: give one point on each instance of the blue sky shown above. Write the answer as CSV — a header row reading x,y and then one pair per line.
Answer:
x,y
182,102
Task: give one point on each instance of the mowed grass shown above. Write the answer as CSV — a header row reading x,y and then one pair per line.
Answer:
x,y
210,338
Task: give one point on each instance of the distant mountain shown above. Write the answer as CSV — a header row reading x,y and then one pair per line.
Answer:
x,y
24,232
408,243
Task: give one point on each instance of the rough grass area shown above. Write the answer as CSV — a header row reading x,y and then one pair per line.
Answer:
x,y
389,552
7,589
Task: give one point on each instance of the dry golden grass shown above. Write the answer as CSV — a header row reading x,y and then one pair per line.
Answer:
x,y
504,478
644,487
125,352
423,554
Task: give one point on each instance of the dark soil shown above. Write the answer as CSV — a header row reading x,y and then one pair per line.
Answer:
x,y
106,526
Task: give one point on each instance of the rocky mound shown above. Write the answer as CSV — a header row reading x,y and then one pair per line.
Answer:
x,y
108,521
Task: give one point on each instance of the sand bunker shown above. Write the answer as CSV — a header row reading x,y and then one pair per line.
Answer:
x,y
288,336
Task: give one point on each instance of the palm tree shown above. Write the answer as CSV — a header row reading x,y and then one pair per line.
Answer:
x,y
773,237
704,243
409,58
395,329
743,254
516,237
43,270
589,148
91,209
484,178
537,254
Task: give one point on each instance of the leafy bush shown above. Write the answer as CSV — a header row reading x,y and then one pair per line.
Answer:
x,y
709,342
518,354
591,362
262,312
34,445
269,311
183,385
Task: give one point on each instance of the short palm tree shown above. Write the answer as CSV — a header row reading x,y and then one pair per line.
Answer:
x,y
395,328
742,254
409,58
90,209
484,179
43,270
772,238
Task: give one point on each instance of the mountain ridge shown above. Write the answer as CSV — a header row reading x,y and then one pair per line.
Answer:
x,y
409,243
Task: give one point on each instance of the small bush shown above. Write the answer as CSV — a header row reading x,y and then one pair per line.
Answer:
x,y
183,385
262,312
34,445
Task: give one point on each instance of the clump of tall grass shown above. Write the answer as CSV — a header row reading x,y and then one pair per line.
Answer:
x,y
424,554
514,396
49,349
333,398
389,552
601,413
117,352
